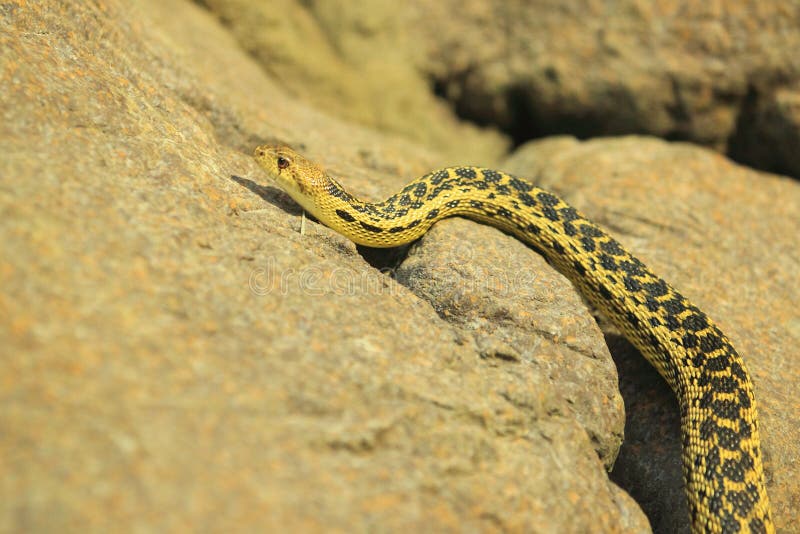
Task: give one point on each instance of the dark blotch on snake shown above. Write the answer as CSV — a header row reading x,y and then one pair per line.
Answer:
x,y
345,216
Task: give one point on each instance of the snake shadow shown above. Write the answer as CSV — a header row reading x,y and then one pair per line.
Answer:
x,y
383,259
271,194
649,464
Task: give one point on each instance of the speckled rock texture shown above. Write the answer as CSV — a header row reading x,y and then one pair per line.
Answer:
x,y
176,356
722,74
522,314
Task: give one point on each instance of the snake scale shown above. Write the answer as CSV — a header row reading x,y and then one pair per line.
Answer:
x,y
722,464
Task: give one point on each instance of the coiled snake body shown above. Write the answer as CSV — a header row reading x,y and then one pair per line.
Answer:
x,y
722,463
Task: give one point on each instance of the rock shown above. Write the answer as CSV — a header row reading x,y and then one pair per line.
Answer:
x,y
691,72
528,323
722,234
713,74
524,316
175,355
355,63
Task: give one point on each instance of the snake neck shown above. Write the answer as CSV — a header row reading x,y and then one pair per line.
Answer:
x,y
489,196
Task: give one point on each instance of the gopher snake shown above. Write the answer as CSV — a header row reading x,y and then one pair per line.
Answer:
x,y
721,452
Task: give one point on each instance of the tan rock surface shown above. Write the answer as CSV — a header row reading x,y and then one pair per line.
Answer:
x,y
503,295
723,74
700,71
175,355
355,60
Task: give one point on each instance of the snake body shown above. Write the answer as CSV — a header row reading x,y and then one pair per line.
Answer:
x,y
722,463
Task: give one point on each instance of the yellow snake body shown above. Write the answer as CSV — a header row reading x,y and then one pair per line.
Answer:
x,y
722,464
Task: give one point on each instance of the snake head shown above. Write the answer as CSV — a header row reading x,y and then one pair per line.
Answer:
x,y
301,178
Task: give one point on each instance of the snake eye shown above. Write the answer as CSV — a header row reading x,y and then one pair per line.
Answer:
x,y
282,162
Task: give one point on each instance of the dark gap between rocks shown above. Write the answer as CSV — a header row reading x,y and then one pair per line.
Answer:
x,y
385,260
648,466
759,140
